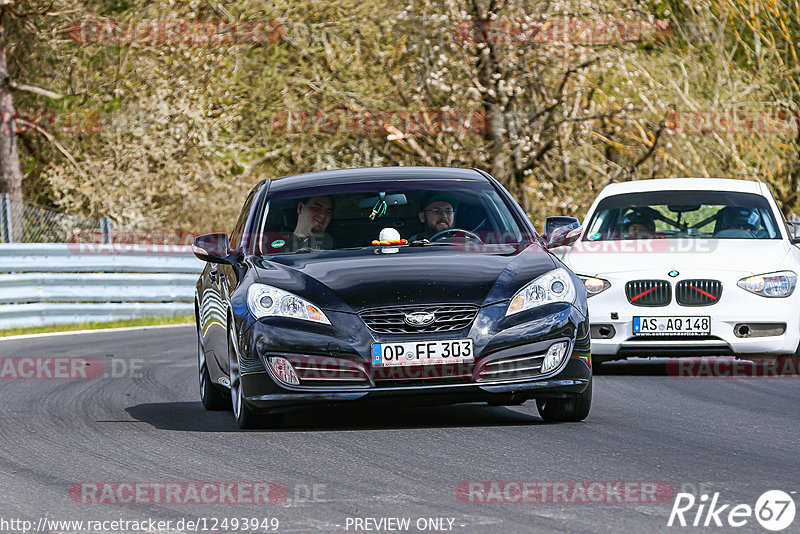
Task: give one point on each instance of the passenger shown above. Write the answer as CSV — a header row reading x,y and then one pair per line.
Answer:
x,y
735,218
314,214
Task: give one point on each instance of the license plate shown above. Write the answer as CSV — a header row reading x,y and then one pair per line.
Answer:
x,y
422,353
672,326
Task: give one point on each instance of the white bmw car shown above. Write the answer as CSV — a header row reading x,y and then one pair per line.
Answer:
x,y
688,267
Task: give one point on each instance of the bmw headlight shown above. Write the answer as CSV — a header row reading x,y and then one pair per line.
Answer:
x,y
594,285
268,301
779,284
555,286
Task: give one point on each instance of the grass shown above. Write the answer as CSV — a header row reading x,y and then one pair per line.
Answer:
x,y
97,325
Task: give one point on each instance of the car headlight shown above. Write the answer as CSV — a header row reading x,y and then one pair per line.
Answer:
x,y
554,286
268,301
779,284
594,285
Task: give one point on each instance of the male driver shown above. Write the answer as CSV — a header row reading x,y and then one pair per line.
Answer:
x,y
437,214
313,217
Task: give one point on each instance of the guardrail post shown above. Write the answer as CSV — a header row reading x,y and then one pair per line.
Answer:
x,y
105,229
6,229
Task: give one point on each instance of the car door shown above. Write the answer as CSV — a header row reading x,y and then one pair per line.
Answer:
x,y
222,280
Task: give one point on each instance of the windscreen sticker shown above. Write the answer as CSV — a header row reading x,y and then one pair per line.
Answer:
x,y
278,243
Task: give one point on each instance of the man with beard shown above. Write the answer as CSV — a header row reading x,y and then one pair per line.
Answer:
x,y
437,214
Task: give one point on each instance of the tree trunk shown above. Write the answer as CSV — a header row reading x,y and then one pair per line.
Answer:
x,y
10,172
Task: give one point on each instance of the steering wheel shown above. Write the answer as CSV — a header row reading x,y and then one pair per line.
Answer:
x,y
734,233
452,232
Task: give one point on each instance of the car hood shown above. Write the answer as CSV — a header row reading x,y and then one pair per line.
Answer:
x,y
743,256
354,280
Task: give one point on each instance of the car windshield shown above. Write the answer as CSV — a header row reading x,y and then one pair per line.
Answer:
x,y
682,214
353,215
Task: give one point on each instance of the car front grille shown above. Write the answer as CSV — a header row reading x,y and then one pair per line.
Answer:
x,y
648,292
391,320
698,292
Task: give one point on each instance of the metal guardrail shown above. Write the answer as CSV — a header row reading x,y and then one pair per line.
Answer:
x,y
89,257
69,283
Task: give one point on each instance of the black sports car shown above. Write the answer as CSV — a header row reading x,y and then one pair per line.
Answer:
x,y
427,285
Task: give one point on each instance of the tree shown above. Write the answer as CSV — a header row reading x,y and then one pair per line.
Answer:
x,y
10,172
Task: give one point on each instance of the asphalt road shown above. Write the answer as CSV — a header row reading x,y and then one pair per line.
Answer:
x,y
139,421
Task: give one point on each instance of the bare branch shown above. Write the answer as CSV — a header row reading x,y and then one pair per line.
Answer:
x,y
35,90
58,145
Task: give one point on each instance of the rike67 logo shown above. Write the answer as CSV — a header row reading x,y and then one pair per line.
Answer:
x,y
774,510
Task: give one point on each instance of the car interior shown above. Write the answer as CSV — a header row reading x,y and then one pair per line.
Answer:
x,y
352,226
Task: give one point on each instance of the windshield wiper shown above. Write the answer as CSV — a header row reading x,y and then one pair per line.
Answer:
x,y
426,243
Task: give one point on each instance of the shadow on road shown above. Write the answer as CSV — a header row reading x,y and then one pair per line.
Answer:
x,y
705,367
191,417
633,367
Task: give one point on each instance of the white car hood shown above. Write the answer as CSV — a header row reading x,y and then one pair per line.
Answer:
x,y
743,256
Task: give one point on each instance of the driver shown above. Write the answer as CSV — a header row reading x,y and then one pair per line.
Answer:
x,y
736,218
437,214
639,224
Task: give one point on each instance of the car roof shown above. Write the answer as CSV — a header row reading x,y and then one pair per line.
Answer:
x,y
375,174
683,184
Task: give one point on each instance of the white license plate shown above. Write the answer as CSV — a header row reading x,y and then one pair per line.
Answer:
x,y
422,353
674,326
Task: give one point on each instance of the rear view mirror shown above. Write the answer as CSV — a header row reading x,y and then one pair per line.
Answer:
x,y
682,209
398,199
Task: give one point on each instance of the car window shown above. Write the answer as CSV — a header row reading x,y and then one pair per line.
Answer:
x,y
238,230
683,214
352,215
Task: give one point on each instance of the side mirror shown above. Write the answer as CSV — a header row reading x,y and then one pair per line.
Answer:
x,y
561,231
213,248
794,231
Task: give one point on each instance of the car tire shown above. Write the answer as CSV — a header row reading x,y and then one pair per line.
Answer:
x,y
246,417
211,396
570,409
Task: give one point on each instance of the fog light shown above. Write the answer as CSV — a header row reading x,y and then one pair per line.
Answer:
x,y
554,357
283,371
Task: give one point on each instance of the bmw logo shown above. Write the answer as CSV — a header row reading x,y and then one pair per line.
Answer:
x,y
673,273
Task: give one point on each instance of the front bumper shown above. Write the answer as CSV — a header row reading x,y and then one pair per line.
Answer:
x,y
736,308
348,338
